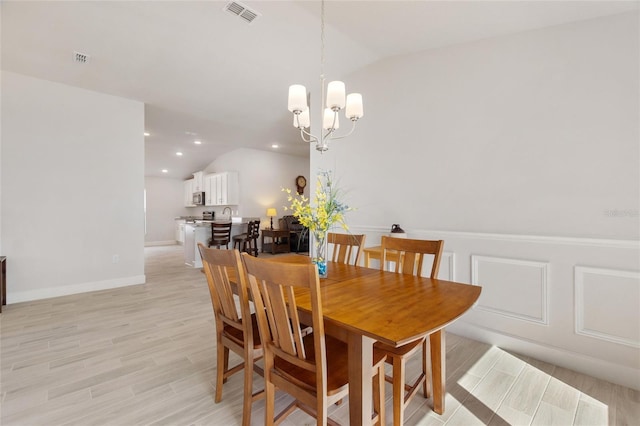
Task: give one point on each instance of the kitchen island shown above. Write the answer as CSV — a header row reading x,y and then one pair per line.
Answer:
x,y
199,231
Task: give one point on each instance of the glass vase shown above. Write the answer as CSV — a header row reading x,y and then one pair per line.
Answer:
x,y
319,255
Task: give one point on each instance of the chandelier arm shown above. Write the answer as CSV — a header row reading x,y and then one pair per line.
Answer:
x,y
311,137
332,137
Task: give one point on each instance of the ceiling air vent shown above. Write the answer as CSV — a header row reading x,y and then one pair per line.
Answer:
x,y
80,58
241,11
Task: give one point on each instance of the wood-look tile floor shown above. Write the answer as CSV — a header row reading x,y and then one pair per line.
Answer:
x,y
146,355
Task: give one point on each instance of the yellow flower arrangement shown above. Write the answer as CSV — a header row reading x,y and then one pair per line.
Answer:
x,y
326,212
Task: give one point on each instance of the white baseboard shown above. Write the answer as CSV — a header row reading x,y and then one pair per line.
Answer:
x,y
595,367
161,243
46,293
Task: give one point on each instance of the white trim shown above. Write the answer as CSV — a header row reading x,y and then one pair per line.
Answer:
x,y
46,293
161,243
452,264
613,372
544,294
541,239
578,280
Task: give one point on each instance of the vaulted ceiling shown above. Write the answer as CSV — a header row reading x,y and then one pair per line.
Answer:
x,y
206,74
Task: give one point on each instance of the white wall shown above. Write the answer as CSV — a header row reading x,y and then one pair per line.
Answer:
x,y
72,189
262,174
165,202
522,153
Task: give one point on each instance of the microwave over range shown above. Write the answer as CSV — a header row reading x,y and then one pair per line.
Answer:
x,y
198,198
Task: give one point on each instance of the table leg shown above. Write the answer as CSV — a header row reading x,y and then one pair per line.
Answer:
x,y
438,357
360,384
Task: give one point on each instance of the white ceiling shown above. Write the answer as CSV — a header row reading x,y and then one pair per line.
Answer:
x,y
204,73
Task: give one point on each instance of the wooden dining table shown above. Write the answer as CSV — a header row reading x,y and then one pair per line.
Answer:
x,y
363,305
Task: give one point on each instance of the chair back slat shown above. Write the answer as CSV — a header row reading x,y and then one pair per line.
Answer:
x,y
273,286
253,229
346,247
220,234
281,324
295,323
217,264
411,254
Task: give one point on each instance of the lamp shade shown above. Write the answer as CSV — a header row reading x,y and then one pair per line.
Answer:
x,y
335,95
301,120
297,98
330,120
354,109
271,212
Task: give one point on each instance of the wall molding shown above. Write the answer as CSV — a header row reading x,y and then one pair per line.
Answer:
x,y
544,293
46,293
580,272
539,239
450,257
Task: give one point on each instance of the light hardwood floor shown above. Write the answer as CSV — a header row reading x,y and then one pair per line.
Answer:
x,y
146,354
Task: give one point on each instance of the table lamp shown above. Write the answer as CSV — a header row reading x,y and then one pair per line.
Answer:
x,y
271,212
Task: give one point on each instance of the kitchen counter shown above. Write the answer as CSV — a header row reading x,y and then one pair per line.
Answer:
x,y
199,231
234,220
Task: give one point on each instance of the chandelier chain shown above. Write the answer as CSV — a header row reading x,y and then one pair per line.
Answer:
x,y
322,39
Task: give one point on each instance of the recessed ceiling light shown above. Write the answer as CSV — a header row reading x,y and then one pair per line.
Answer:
x,y
197,142
179,154
147,134
275,145
165,171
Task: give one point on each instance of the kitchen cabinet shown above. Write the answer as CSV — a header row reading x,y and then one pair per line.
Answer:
x,y
188,193
222,189
198,182
209,187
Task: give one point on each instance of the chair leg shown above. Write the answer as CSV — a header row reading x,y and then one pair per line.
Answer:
x,y
248,389
221,367
426,367
398,391
269,403
378,395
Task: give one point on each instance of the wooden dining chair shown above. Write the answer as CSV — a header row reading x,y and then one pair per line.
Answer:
x,y
220,234
409,255
312,368
236,327
346,247
248,241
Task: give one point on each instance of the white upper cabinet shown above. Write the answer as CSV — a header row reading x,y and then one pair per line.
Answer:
x,y
222,189
198,182
188,193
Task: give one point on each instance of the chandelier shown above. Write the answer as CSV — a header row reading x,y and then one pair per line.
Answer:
x,y
335,101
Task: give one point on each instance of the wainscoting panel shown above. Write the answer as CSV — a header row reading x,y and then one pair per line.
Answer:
x,y
607,304
574,302
512,287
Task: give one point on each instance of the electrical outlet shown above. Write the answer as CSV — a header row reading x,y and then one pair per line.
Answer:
x,y
115,258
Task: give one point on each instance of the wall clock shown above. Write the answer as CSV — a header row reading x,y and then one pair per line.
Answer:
x,y
301,182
